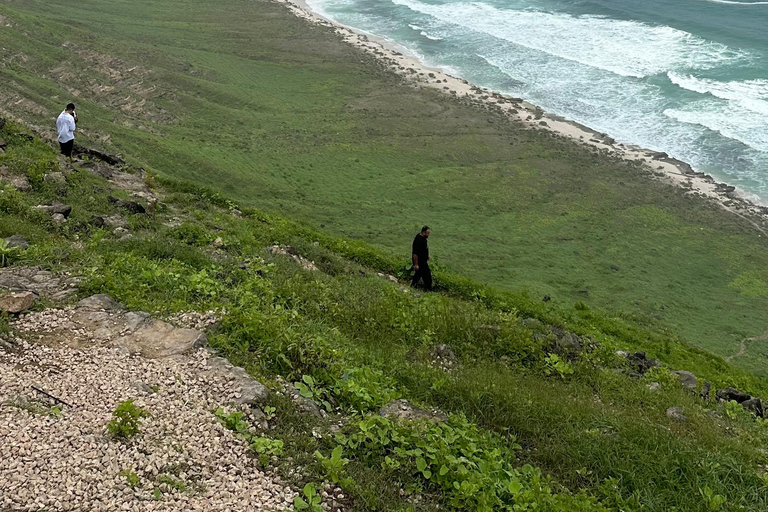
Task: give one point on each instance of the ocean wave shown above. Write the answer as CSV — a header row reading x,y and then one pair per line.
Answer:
x,y
730,2
431,38
749,94
744,125
626,48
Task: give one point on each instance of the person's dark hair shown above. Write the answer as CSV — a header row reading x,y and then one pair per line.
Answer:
x,y
70,106
424,229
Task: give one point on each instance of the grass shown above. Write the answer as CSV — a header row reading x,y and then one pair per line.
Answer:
x,y
242,96
589,439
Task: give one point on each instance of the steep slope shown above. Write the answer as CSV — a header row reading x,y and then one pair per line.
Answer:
x,y
521,402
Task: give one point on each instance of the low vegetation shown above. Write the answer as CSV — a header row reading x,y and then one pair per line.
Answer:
x,y
528,426
243,96
126,420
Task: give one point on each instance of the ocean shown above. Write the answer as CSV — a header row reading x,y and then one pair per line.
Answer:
x,y
687,77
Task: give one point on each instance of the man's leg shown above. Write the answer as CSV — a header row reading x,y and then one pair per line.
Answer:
x,y
427,276
416,277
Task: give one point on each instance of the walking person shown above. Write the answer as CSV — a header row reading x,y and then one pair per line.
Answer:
x,y
420,255
65,125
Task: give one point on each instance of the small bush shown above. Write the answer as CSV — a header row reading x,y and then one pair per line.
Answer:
x,y
126,420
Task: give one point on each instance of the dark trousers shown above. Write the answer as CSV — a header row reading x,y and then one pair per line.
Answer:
x,y
425,274
66,148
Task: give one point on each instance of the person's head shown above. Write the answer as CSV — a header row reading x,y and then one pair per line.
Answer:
x,y
70,107
425,231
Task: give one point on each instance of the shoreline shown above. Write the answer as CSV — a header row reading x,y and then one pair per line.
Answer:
x,y
659,164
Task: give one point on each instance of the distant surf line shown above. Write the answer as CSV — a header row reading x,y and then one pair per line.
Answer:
x,y
731,2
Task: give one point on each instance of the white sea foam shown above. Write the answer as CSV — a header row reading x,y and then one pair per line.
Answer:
x,y
750,95
627,48
730,2
726,118
431,38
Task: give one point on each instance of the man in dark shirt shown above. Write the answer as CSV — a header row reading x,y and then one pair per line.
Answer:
x,y
420,255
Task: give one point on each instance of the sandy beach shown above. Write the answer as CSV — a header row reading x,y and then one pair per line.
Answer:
x,y
659,165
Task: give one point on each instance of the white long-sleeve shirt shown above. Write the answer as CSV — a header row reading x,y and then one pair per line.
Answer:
x,y
65,125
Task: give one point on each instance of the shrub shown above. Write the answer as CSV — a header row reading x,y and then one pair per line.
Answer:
x,y
126,420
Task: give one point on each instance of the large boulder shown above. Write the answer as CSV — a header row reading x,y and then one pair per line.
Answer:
x,y
688,380
16,241
641,363
15,303
155,339
676,413
732,394
99,302
754,405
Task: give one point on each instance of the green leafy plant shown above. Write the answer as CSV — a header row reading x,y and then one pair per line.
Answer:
x,y
126,420
131,478
7,253
308,388
266,448
713,501
269,412
556,366
237,422
311,500
470,467
334,465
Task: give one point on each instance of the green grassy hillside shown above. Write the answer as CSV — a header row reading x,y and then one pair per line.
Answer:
x,y
280,114
525,431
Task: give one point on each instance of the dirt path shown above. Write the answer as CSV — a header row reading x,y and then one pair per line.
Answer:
x,y
743,345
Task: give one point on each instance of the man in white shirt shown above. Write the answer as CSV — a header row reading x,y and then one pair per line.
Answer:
x,y
65,125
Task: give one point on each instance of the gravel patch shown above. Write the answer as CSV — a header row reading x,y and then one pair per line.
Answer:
x,y
183,458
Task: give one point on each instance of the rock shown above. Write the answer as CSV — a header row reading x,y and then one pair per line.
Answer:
x,y
252,392
35,279
706,389
688,380
156,339
676,413
60,208
642,363
15,303
99,302
55,177
569,342
16,241
142,388
754,405
404,410
126,237
97,221
58,218
119,232
732,394
218,242
3,144
304,404
622,353
20,183
131,206
388,277
116,221
654,386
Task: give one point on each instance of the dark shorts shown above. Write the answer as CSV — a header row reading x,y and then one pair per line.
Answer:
x,y
66,148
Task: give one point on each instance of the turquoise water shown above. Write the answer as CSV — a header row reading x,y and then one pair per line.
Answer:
x,y
688,77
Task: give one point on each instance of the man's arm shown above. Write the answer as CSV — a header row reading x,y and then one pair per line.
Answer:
x,y
416,261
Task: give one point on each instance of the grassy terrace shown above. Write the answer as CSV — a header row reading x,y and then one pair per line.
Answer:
x,y
282,115
601,440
